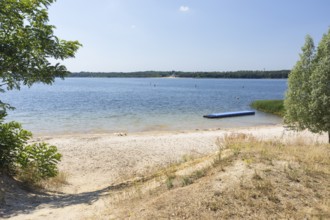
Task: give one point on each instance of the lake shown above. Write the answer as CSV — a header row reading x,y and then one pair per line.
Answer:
x,y
92,105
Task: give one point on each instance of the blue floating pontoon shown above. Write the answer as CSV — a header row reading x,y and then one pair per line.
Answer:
x,y
229,114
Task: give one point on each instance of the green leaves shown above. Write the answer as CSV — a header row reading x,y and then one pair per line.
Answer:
x,y
299,88
320,80
27,42
39,161
307,100
12,141
31,163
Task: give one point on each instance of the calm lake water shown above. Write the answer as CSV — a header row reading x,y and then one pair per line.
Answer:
x,y
81,105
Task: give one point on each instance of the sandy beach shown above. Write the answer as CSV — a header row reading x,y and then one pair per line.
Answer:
x,y
93,162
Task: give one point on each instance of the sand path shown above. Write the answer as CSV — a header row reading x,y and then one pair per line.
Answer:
x,y
94,162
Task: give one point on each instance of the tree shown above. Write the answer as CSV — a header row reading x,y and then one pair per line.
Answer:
x,y
320,94
298,93
27,43
307,100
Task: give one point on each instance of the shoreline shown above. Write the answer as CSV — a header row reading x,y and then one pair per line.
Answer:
x,y
148,131
266,131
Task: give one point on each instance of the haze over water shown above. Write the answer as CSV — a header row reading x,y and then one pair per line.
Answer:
x,y
81,105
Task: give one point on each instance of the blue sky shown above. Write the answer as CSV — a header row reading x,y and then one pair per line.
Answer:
x,y
188,35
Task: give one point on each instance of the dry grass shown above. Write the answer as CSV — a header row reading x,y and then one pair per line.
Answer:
x,y
56,182
312,157
257,180
290,179
50,184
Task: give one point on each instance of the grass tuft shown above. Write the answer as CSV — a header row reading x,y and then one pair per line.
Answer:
x,y
186,180
169,181
56,182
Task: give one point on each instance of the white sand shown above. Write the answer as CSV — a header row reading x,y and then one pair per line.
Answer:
x,y
99,160
96,161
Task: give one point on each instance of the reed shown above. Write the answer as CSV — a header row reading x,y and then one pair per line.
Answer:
x,y
275,107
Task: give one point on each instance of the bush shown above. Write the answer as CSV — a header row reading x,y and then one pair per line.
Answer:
x,y
38,161
31,163
12,141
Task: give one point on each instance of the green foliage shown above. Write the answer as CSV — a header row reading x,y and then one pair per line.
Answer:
x,y
298,114
30,162
12,141
270,106
320,81
38,161
27,42
307,100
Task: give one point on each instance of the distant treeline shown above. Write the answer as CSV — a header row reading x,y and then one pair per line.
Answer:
x,y
276,74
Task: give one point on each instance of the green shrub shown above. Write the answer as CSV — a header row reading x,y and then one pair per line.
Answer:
x,y
12,141
275,107
30,163
38,161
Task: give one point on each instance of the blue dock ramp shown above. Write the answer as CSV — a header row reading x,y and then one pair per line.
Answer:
x,y
229,114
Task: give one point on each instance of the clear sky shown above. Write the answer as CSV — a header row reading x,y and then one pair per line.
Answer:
x,y
188,35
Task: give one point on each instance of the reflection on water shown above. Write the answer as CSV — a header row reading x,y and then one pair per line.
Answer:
x,y
116,104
